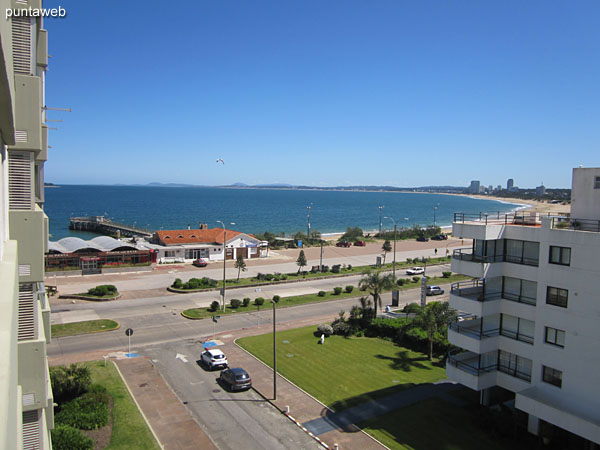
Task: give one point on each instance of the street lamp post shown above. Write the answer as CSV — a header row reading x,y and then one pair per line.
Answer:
x,y
308,222
434,210
224,261
380,210
394,262
274,355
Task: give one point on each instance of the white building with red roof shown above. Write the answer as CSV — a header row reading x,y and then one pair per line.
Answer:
x,y
188,245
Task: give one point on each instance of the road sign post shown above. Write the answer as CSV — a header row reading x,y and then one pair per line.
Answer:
x,y
128,333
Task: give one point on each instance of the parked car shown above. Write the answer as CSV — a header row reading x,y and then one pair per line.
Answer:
x,y
360,243
434,290
422,239
343,244
415,271
200,262
214,358
440,237
236,379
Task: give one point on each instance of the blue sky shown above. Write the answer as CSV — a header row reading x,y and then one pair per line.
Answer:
x,y
324,92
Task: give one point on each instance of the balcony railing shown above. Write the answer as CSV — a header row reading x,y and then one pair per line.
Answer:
x,y
517,336
467,254
568,223
472,328
512,371
525,218
476,290
469,365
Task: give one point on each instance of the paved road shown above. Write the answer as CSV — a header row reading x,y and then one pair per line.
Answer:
x,y
239,420
175,303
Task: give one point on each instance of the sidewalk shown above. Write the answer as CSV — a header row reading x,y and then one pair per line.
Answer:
x,y
168,418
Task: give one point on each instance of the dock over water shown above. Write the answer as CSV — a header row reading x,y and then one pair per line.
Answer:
x,y
103,225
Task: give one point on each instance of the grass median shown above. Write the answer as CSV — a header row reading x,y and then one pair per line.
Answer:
x,y
203,313
129,430
86,327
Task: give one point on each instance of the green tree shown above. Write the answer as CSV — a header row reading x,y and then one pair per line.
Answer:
x,y
386,247
435,317
301,261
240,265
69,382
375,283
352,234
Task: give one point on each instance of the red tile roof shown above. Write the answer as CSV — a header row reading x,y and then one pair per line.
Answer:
x,y
210,236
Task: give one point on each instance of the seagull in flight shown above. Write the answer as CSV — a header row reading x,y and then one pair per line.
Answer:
x,y
221,161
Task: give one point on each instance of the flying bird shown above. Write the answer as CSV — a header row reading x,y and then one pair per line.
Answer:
x,y
221,161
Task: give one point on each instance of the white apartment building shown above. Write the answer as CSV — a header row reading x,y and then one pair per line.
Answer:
x,y
534,328
26,404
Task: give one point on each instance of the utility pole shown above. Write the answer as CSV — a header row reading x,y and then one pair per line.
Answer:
x,y
274,355
394,263
308,222
380,210
320,261
434,210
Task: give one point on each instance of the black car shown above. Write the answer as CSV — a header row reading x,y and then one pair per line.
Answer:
x,y
236,379
440,237
422,239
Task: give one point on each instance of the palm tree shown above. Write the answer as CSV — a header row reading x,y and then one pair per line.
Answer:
x,y
387,247
240,265
433,318
375,283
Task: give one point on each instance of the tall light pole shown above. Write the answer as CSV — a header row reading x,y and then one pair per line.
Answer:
x,y
393,263
224,261
308,222
434,210
380,210
274,355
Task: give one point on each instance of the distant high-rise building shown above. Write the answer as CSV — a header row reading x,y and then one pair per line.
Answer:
x,y
540,191
509,184
474,187
499,188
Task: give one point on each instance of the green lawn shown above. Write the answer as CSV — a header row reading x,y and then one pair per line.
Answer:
x,y
129,428
344,371
88,326
430,424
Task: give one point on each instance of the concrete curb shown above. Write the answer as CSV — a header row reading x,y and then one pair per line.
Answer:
x,y
138,406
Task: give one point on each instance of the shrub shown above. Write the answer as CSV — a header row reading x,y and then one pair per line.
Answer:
x,y
325,329
276,298
283,276
400,281
268,276
416,279
349,267
349,288
177,284
336,268
259,301
337,290
235,303
409,260
69,382
246,301
324,269
214,306
411,308
65,437
85,413
386,328
322,293
103,290
341,328
314,269
259,276
446,274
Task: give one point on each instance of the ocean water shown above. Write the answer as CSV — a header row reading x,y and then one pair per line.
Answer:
x,y
252,210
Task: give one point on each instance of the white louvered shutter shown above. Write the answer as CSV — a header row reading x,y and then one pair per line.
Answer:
x,y
31,430
22,45
20,180
27,326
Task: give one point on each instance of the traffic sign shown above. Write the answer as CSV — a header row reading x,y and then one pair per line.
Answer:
x,y
128,332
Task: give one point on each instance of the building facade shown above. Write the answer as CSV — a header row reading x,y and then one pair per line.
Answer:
x,y
26,408
474,187
534,324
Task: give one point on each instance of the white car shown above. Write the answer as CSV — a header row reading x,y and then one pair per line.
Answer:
x,y
415,271
214,358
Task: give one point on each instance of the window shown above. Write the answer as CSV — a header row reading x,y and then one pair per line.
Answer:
x,y
555,337
597,183
552,376
557,297
560,255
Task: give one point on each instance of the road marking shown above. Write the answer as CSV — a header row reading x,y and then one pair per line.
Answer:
x,y
181,357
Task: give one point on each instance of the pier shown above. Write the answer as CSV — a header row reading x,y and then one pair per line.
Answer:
x,y
103,225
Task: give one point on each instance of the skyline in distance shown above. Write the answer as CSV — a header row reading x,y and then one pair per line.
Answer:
x,y
336,94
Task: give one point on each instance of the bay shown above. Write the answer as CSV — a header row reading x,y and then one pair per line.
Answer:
x,y
252,210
